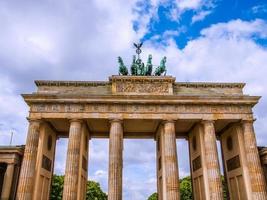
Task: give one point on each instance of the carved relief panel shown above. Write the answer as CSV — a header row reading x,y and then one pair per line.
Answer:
x,y
141,85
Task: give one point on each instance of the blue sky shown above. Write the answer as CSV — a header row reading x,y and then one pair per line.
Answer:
x,y
191,21
204,40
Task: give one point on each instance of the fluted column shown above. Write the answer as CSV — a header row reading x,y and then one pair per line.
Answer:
x,y
115,160
258,184
212,161
7,184
170,163
70,190
27,173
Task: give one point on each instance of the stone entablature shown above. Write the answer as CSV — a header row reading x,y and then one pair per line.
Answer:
x,y
149,97
206,88
101,108
139,85
11,154
73,87
10,161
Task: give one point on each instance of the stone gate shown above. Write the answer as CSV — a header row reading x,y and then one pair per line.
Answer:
x,y
154,107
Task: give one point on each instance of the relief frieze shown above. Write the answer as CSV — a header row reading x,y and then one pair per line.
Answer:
x,y
151,88
139,108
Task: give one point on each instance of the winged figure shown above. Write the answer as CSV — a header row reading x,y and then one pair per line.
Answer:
x,y
138,45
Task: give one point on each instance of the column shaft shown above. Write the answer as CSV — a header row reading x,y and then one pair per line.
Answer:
x,y
212,161
27,173
7,184
115,161
253,161
170,163
70,191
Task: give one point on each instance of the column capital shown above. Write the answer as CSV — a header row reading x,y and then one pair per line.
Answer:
x,y
250,121
10,163
164,121
207,121
76,120
35,120
113,120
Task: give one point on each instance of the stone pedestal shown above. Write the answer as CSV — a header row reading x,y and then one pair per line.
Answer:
x,y
212,161
7,184
70,191
115,160
169,163
27,174
258,185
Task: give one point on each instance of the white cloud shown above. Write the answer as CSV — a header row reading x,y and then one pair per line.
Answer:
x,y
100,173
145,12
167,35
189,5
202,8
262,8
13,113
200,15
237,29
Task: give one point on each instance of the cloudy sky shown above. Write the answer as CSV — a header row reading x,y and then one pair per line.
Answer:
x,y
204,40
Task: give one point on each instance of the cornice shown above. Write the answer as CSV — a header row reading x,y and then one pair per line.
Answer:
x,y
116,78
70,83
209,85
19,149
138,78
144,99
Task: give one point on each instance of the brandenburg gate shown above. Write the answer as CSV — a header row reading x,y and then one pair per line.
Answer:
x,y
153,107
143,106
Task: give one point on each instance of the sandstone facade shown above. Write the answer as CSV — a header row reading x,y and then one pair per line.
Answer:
x,y
144,107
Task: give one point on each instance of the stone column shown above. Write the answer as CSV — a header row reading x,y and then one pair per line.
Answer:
x,y
212,161
170,173
258,184
27,173
115,160
7,184
70,190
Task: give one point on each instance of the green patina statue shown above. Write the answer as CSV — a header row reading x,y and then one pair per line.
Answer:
x,y
162,68
122,68
149,66
138,68
134,67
